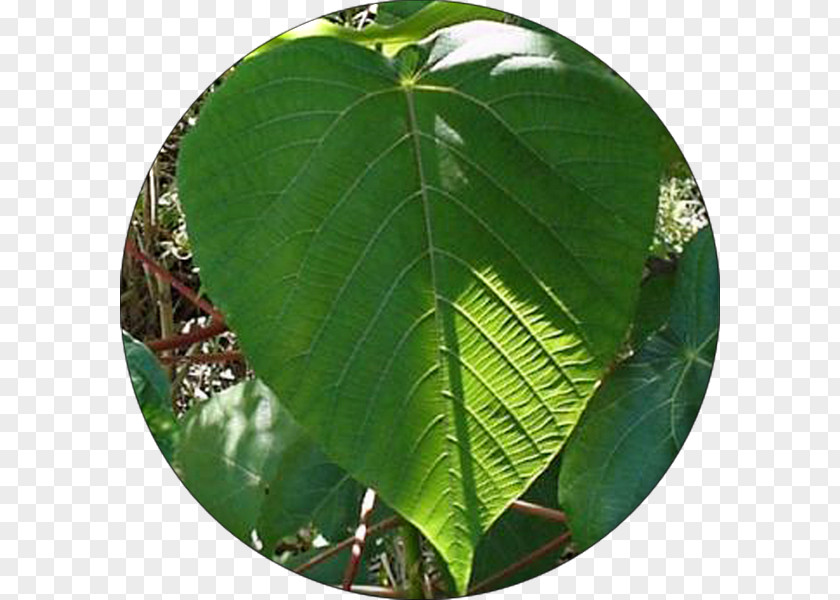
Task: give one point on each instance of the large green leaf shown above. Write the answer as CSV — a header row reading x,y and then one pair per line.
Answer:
x,y
637,422
388,13
430,259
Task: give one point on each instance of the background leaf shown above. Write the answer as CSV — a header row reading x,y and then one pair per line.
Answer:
x,y
637,422
389,13
654,305
231,451
149,380
391,35
251,466
431,268
309,489
331,571
153,392
515,535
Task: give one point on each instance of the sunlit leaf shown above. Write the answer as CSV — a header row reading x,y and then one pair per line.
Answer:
x,y
430,259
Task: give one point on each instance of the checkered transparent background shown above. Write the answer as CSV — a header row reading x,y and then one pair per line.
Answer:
x,y
89,91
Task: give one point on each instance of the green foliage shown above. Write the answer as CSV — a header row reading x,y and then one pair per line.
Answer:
x,y
152,388
432,270
232,446
390,35
515,535
149,380
653,307
242,457
312,490
637,422
389,13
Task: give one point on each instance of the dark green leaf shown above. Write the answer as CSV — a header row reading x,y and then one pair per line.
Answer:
x,y
653,308
309,489
251,466
152,388
164,429
432,269
389,13
637,422
515,535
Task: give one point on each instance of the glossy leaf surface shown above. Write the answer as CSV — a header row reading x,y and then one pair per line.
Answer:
x,y
637,422
430,259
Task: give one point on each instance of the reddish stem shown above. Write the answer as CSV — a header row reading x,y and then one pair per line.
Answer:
x,y
188,339
165,275
543,512
213,357
383,525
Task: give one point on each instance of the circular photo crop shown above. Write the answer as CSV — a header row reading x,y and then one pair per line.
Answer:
x,y
420,299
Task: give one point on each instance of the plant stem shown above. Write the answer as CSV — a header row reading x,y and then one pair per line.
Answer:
x,y
165,275
543,512
187,339
374,590
213,357
368,502
384,525
413,562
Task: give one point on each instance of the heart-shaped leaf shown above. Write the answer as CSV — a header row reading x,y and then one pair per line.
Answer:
x,y
637,422
430,259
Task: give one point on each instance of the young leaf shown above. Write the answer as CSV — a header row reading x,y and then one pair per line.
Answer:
x,y
637,422
431,269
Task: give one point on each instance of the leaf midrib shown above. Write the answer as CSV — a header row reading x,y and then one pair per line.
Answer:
x,y
414,133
